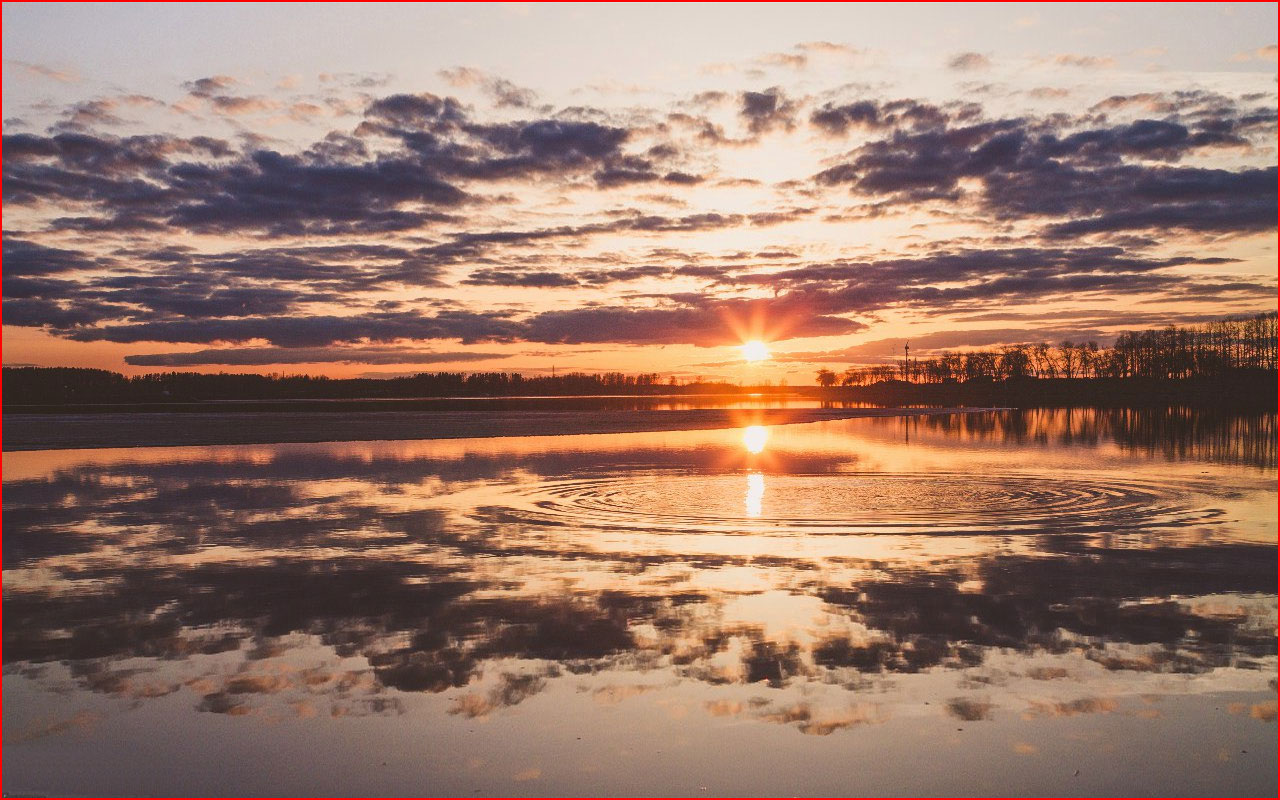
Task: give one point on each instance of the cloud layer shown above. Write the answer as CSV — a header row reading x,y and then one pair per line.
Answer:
x,y
418,217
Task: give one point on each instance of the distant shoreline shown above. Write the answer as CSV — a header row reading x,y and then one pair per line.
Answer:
x,y
569,402
69,391
28,432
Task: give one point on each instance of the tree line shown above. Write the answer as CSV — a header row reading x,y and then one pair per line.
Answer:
x,y
1212,349
70,385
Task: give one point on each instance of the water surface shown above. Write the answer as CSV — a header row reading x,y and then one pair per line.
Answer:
x,y
1045,602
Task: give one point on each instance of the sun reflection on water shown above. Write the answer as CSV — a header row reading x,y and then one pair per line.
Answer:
x,y
754,438
755,494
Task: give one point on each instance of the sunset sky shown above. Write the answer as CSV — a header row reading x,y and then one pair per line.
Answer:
x,y
382,190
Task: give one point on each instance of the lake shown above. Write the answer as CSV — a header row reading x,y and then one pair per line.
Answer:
x,y
1064,602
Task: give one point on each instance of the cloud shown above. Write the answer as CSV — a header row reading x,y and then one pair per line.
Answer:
x,y
1049,93
1267,53
89,114
512,690
207,87
25,258
138,183
356,80
313,331
834,48
254,356
170,292
874,115
966,62
43,71
235,106
1100,179
236,317
968,709
960,279
321,247
766,111
276,294
1085,62
790,60
501,277
502,92
343,184
682,178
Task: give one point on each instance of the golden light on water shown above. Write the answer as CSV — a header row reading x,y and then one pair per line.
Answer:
x,y
755,350
754,438
755,494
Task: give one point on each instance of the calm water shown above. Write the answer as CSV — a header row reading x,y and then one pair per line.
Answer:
x,y
1045,602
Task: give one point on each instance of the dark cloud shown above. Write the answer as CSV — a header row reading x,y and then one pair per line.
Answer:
x,y
1105,179
683,178
1214,201
1091,317
448,143
207,87
950,279
951,266
62,316
768,110
25,258
190,315
177,295
143,285
419,163
622,175
295,195
500,277
622,274
837,119
254,356
554,143
273,294
142,183
343,184
313,331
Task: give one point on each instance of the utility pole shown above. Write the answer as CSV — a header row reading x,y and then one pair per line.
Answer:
x,y
906,361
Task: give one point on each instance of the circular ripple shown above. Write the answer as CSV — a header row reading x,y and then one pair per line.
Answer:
x,y
930,503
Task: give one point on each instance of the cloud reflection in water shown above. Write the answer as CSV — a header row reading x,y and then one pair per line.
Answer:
x,y
344,580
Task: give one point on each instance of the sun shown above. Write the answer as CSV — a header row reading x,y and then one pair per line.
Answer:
x,y
755,350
